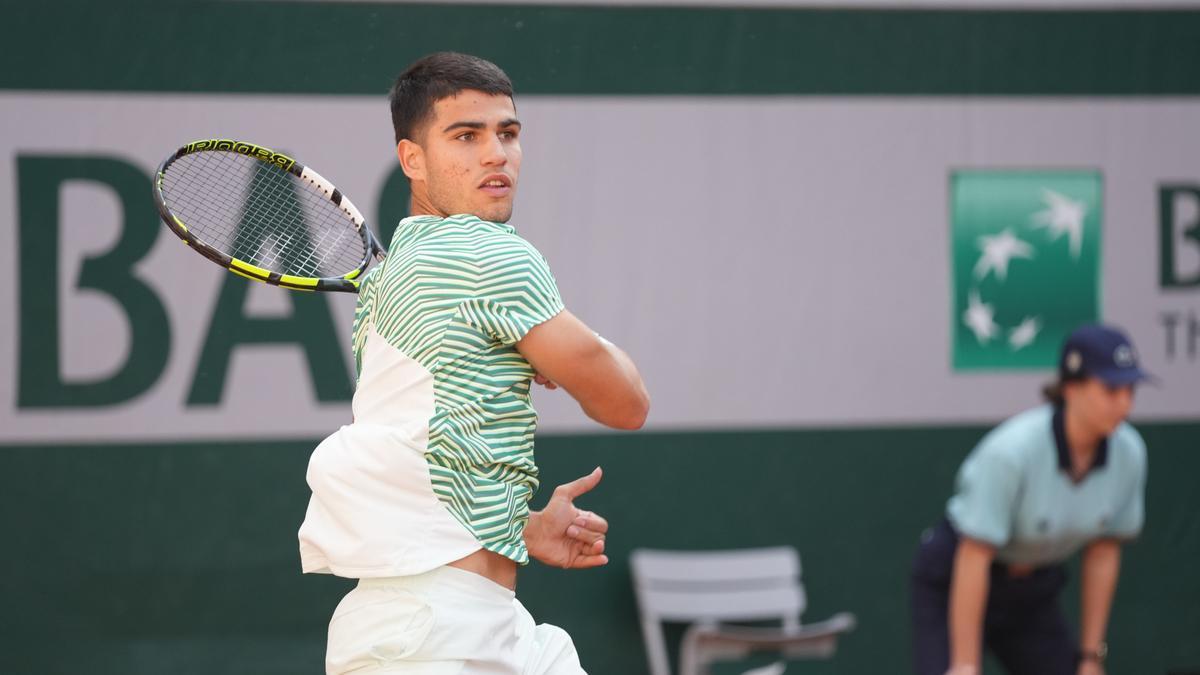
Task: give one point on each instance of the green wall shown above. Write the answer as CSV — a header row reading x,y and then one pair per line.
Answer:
x,y
357,48
181,558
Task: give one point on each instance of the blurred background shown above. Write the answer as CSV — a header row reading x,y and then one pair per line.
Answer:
x,y
780,211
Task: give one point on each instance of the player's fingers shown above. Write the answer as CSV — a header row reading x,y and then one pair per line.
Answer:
x,y
591,521
585,561
584,535
581,485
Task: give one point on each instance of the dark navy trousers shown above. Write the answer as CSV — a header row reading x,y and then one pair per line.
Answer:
x,y
1023,627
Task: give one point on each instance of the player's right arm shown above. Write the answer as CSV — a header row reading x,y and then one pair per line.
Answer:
x,y
597,374
968,599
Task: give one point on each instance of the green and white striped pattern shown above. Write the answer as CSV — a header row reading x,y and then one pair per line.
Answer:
x,y
455,295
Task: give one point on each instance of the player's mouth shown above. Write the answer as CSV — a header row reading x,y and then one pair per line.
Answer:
x,y
497,185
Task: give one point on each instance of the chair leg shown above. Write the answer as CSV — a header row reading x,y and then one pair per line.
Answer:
x,y
688,657
656,647
692,660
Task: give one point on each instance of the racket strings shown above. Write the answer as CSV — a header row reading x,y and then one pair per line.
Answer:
x,y
227,223
262,215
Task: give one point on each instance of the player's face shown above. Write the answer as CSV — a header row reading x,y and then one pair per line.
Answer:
x,y
472,156
1101,406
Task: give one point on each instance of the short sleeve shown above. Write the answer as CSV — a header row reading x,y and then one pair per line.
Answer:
x,y
363,310
516,292
1127,520
985,496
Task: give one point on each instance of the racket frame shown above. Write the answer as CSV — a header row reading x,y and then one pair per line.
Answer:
x,y
309,179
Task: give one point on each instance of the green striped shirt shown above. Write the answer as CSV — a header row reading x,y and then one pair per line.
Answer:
x,y
455,294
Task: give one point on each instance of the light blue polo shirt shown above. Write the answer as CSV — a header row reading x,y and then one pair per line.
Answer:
x,y
1014,491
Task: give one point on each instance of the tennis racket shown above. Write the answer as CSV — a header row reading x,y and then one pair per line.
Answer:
x,y
264,216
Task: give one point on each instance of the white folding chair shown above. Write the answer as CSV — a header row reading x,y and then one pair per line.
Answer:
x,y
707,588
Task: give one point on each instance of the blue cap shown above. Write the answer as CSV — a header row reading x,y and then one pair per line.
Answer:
x,y
1102,352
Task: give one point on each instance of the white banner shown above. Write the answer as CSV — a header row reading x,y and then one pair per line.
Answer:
x,y
773,262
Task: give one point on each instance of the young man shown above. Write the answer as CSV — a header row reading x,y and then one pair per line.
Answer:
x,y
424,497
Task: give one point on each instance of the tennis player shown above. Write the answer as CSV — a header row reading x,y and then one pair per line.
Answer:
x,y
425,497
1053,480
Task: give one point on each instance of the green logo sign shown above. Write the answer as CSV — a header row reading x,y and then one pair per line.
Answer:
x,y
1026,264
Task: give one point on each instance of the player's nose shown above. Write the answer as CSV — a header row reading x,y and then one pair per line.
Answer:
x,y
494,152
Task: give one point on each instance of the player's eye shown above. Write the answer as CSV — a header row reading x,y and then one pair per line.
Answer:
x,y
466,136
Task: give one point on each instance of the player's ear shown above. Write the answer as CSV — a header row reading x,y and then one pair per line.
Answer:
x,y
412,159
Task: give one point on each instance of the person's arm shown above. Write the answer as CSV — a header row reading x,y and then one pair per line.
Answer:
x,y
601,377
968,600
565,536
1100,566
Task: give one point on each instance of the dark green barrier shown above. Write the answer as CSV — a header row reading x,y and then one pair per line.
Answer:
x,y
358,48
181,558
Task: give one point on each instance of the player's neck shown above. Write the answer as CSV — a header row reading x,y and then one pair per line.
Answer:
x,y
1082,440
419,203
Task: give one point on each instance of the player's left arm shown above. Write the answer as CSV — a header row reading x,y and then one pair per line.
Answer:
x,y
1100,567
564,535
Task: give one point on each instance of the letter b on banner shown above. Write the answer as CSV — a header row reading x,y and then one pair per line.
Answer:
x,y
40,380
1176,203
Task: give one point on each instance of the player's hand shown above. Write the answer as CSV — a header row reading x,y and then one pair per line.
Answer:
x,y
963,669
1089,667
538,378
565,536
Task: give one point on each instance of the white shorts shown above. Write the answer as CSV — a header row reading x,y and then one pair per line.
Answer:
x,y
444,622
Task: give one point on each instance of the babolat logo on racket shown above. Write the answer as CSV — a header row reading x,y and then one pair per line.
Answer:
x,y
241,147
1026,264
264,216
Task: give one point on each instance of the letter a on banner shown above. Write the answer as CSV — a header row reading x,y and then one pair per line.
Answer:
x,y
309,327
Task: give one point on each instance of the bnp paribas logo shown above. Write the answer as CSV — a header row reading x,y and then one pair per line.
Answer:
x,y
1026,248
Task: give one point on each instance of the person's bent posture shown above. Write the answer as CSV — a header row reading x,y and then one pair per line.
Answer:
x,y
1044,484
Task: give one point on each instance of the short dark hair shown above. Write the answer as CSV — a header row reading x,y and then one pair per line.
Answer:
x,y
435,77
